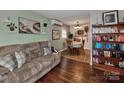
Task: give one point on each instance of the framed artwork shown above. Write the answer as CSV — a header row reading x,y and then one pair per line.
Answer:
x,y
55,34
110,17
28,26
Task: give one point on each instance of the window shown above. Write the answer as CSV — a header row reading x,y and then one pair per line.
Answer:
x,y
64,33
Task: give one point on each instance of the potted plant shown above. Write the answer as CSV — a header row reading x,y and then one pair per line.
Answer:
x,y
12,26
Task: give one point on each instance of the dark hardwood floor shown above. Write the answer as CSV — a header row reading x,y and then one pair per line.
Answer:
x,y
83,56
69,71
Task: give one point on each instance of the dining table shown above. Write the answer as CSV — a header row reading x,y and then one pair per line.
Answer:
x,y
76,46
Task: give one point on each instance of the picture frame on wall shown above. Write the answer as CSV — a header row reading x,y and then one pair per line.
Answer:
x,y
110,18
55,34
28,26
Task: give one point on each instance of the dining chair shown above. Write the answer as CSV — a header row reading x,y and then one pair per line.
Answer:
x,y
69,45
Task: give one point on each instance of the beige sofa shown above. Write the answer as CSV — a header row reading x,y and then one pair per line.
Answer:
x,y
36,66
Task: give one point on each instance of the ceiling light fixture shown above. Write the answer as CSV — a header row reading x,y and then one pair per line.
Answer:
x,y
77,26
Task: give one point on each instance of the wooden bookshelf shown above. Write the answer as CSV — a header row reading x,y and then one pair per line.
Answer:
x,y
100,25
108,58
110,42
107,33
108,50
109,68
101,61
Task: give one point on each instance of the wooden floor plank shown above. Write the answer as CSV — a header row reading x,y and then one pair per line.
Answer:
x,y
69,71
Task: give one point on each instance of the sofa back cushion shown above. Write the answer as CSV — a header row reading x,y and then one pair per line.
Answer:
x,y
4,50
32,50
3,71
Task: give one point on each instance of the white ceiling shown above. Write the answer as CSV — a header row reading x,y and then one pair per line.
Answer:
x,y
69,17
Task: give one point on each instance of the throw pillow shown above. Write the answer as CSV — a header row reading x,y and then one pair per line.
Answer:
x,y
46,51
7,61
21,58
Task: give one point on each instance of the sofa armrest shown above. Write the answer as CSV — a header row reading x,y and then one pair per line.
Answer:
x,y
57,56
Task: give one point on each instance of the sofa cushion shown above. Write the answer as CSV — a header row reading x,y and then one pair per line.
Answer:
x,y
3,74
45,61
4,50
3,70
25,72
8,61
32,50
21,58
3,79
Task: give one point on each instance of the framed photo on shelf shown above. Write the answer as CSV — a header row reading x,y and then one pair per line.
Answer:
x,y
110,17
55,34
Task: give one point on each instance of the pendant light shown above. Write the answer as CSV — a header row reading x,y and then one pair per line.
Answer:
x,y
77,26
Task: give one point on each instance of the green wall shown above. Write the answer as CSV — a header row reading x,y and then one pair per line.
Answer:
x,y
8,37
58,44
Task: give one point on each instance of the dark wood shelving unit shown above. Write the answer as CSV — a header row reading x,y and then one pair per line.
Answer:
x,y
107,33
109,69
110,42
115,67
117,25
113,50
108,58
